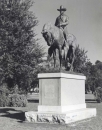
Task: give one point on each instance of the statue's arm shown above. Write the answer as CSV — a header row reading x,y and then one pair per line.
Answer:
x,y
66,22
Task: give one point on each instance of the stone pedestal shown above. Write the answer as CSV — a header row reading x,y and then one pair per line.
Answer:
x,y
61,99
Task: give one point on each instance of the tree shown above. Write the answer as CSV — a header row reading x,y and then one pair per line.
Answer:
x,y
98,76
93,75
86,70
80,59
20,51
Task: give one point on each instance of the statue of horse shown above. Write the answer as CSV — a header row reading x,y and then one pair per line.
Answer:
x,y
55,39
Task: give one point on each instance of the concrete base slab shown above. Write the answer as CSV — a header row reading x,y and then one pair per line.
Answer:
x,y
58,118
42,108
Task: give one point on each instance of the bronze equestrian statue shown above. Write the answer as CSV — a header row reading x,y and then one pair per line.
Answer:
x,y
58,38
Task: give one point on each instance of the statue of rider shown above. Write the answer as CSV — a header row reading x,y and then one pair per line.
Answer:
x,y
62,21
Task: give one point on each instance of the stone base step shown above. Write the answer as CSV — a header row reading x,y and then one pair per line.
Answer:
x,y
58,118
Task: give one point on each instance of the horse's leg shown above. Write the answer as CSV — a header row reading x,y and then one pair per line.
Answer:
x,y
50,52
73,57
54,57
48,57
66,55
60,56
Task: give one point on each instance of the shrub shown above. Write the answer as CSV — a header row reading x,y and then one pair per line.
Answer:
x,y
4,99
17,100
98,94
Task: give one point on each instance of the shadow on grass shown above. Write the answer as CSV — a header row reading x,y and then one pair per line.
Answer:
x,y
5,110
33,101
13,113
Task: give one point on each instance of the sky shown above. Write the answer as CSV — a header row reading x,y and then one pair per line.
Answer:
x,y
85,22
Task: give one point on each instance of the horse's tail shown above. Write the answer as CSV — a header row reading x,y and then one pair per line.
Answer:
x,y
71,39
74,39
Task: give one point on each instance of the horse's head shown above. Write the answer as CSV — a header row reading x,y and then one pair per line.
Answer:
x,y
46,32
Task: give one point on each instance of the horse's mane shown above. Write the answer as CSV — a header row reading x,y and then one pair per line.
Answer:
x,y
49,27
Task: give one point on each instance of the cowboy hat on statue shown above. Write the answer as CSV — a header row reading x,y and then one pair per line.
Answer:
x,y
62,8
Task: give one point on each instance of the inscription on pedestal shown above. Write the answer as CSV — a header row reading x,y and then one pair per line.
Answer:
x,y
49,91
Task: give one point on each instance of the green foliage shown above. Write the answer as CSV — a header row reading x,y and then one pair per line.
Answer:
x,y
93,75
20,52
97,74
80,59
17,100
98,94
12,100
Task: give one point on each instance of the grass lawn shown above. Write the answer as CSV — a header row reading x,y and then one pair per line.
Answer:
x,y
12,119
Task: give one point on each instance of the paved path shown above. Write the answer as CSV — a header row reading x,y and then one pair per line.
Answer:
x,y
34,96
89,96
